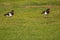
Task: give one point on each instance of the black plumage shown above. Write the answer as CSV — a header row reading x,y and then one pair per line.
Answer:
x,y
47,11
11,13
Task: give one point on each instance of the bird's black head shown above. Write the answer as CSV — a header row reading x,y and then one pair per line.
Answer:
x,y
12,10
48,9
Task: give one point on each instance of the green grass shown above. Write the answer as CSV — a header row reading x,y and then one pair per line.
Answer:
x,y
29,23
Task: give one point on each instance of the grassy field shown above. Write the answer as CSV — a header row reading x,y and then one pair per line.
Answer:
x,y
28,23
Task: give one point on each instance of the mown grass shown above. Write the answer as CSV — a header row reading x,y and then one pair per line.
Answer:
x,y
28,23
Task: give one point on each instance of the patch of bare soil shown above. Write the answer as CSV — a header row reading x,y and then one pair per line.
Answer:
x,y
47,6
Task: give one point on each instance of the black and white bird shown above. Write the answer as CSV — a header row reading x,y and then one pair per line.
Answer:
x,y
47,11
11,13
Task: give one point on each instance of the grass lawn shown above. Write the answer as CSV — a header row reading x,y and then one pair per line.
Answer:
x,y
28,23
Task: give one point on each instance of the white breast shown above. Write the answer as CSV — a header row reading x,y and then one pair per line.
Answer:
x,y
10,14
45,13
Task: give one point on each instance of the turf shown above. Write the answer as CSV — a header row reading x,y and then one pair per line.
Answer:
x,y
28,23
